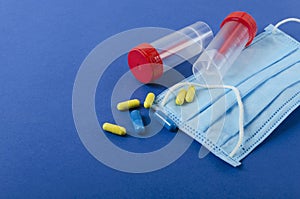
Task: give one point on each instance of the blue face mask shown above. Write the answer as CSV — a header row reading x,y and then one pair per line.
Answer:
x,y
258,93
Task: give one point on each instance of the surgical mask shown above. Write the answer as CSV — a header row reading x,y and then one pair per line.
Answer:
x,y
258,93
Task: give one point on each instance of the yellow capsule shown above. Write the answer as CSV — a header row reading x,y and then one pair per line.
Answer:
x,y
190,94
180,97
115,129
123,106
149,100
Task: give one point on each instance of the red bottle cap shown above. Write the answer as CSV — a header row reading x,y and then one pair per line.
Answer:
x,y
246,19
145,63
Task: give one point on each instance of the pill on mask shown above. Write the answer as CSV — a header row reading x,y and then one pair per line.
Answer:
x,y
123,106
180,97
137,121
115,129
190,94
149,100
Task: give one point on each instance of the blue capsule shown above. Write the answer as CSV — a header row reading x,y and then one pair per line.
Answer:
x,y
137,121
164,120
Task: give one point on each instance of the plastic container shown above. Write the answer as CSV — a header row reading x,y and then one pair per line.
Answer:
x,y
148,62
237,31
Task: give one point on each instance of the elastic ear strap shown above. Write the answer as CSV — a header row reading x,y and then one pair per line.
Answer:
x,y
239,101
285,21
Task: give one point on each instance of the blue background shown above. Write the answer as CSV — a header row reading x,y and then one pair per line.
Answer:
x,y
42,45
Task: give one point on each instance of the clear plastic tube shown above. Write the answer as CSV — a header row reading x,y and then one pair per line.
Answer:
x,y
148,62
237,31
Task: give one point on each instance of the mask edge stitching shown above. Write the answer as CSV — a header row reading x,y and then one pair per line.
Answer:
x,y
246,124
214,148
272,126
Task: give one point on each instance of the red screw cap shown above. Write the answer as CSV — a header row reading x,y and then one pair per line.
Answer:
x,y
246,19
145,63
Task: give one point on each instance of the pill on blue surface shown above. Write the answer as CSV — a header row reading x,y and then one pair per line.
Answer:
x,y
180,97
137,121
115,129
149,100
123,106
164,120
190,94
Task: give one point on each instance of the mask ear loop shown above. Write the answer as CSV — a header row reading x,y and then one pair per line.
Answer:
x,y
239,101
285,21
